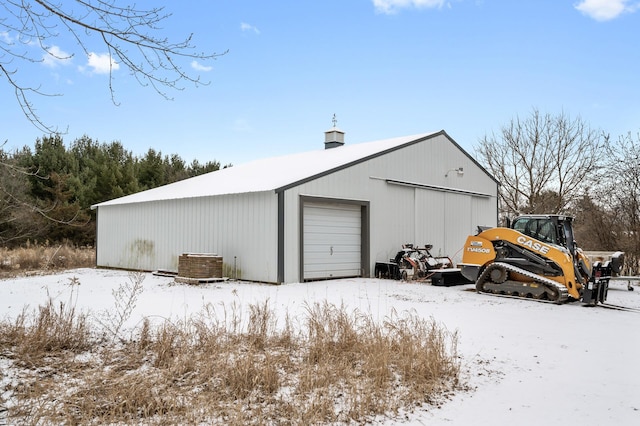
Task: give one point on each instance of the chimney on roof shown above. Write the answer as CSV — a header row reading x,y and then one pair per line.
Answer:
x,y
333,137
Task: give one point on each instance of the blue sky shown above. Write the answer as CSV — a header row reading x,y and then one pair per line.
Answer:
x,y
386,68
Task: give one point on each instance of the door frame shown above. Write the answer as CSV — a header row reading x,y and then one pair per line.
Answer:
x,y
365,239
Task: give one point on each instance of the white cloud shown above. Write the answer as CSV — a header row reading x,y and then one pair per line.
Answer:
x,y
248,27
56,56
101,63
5,37
391,6
606,10
199,67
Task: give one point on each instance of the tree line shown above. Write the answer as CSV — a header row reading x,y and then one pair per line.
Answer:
x,y
46,192
543,163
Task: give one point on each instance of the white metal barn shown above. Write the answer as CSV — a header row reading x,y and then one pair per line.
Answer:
x,y
323,214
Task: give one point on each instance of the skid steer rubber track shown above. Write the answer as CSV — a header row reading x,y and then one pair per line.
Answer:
x,y
494,280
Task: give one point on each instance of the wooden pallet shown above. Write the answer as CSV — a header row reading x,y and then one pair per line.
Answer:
x,y
196,281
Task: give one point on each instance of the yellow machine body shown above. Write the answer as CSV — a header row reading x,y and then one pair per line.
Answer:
x,y
534,256
479,252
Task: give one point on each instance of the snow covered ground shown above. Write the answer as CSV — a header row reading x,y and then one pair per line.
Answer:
x,y
529,363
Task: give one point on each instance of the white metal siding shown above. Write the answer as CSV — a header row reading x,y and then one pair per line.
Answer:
x,y
430,216
403,214
332,241
458,223
241,228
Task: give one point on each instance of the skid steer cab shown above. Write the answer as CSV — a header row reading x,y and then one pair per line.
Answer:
x,y
536,256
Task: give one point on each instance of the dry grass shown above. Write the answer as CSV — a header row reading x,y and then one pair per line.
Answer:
x,y
335,366
32,258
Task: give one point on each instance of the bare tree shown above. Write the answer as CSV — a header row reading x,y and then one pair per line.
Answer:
x,y
543,163
21,216
597,226
18,213
622,196
130,36
12,217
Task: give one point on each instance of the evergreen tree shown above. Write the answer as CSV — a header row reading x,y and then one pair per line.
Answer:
x,y
151,170
57,186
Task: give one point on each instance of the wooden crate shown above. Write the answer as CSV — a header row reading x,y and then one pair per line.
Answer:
x,y
200,265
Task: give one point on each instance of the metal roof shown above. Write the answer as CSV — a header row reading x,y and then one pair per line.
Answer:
x,y
276,174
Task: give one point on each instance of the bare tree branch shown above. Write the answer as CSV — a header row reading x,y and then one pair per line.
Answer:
x,y
18,211
544,163
128,34
623,196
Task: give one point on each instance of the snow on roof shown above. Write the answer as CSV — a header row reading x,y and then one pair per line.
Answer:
x,y
266,174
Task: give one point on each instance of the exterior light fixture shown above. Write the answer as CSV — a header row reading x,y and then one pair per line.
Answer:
x,y
459,171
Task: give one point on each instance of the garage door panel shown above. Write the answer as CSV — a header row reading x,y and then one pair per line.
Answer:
x,y
315,271
333,228
346,252
328,239
333,223
334,247
318,263
332,241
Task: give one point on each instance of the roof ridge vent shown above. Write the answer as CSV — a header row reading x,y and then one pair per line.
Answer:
x,y
333,137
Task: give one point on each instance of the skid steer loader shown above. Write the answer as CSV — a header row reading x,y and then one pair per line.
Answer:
x,y
537,257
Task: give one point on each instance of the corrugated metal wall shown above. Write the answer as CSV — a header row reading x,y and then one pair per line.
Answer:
x,y
242,228
399,213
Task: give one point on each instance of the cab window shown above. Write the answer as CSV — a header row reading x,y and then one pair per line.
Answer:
x,y
538,228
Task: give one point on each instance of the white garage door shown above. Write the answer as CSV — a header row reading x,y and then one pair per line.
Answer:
x,y
332,241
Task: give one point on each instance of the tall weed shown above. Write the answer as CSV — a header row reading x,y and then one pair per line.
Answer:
x,y
335,366
40,258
